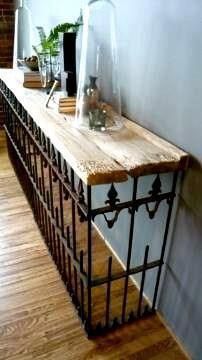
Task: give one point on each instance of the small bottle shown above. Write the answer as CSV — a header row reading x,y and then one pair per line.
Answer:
x,y
92,93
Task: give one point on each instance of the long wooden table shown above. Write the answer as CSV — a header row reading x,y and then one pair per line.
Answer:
x,y
58,167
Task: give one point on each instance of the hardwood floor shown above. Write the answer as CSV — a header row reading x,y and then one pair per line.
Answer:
x,y
37,319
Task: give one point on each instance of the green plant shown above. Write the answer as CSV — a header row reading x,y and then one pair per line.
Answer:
x,y
49,44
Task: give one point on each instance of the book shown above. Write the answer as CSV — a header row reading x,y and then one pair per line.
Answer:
x,y
32,76
32,79
67,105
32,84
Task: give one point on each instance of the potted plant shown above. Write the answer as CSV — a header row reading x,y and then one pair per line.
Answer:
x,y
48,50
49,44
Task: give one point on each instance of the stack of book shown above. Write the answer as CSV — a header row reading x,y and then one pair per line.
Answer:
x,y
32,79
67,105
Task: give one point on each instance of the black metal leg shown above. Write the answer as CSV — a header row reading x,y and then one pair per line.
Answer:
x,y
89,274
130,244
170,204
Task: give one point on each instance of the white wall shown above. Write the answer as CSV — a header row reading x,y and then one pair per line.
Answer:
x,y
49,13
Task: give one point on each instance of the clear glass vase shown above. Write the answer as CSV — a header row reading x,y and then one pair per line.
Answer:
x,y
98,97
49,66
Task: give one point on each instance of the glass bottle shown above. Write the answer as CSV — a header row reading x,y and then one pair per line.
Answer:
x,y
98,97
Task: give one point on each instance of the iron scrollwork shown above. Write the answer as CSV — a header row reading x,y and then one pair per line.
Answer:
x,y
66,180
156,190
112,201
65,173
54,162
81,200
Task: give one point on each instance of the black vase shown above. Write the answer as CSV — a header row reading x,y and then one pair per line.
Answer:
x,y
68,63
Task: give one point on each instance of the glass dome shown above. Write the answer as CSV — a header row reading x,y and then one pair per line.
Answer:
x,y
98,97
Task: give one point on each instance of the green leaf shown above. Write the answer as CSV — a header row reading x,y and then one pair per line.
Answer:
x,y
51,43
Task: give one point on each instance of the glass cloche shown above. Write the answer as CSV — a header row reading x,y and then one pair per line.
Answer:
x,y
98,97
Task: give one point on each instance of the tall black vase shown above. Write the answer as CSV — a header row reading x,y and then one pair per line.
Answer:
x,y
68,63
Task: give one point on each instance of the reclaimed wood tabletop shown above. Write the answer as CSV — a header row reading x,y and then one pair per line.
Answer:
x,y
96,157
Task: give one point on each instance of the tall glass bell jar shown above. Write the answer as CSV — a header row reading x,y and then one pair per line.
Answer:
x,y
98,97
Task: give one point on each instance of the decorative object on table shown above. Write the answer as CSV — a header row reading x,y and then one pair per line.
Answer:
x,y
49,66
68,62
48,52
98,97
67,105
23,33
97,119
32,63
69,57
54,87
92,93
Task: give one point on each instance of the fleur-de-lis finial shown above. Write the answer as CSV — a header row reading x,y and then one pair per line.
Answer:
x,y
156,186
112,196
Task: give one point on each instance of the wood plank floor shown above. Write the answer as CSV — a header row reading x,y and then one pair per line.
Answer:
x,y
37,319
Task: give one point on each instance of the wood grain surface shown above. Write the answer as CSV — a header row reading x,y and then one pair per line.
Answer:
x,y
37,319
98,158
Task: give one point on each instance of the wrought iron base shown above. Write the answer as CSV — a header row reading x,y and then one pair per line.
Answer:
x,y
62,206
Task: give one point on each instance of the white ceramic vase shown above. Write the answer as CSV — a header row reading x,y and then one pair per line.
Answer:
x,y
23,33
